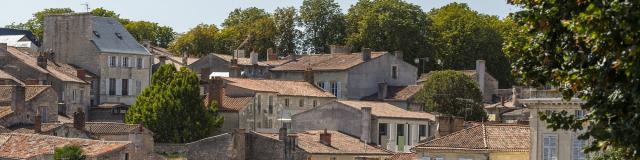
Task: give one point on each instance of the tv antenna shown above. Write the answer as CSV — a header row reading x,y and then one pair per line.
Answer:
x,y
86,6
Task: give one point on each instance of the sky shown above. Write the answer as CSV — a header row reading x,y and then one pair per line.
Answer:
x,y
182,15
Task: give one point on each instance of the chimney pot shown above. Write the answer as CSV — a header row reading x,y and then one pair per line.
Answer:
x,y
81,73
366,54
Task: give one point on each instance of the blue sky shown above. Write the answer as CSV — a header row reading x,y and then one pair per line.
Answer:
x,y
184,14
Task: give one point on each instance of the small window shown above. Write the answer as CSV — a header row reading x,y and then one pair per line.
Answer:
x,y
320,85
334,88
119,35
315,103
382,129
112,86
270,104
286,102
301,103
423,130
259,104
125,61
125,87
394,72
139,63
113,61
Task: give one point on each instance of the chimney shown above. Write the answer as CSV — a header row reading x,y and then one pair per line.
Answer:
x,y
366,124
253,56
271,55
502,100
282,133
81,73
234,68
308,75
3,46
325,138
290,145
184,59
366,54
163,59
480,70
204,73
514,98
399,55
216,90
239,145
42,60
333,49
78,119
18,101
382,91
32,82
37,123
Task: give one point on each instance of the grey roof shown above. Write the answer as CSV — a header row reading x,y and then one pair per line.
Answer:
x,y
106,39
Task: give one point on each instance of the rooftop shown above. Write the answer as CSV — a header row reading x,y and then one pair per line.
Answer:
x,y
483,138
26,146
234,104
386,110
61,71
309,141
397,93
31,91
326,62
7,76
110,36
282,87
171,58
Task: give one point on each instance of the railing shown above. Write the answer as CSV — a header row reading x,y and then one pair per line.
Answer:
x,y
527,93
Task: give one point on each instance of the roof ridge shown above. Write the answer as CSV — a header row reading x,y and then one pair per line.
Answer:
x,y
484,136
450,134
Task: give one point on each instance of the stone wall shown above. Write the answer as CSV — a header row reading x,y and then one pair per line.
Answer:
x,y
218,147
264,148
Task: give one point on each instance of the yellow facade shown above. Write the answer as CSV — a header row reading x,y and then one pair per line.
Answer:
x,y
344,157
472,155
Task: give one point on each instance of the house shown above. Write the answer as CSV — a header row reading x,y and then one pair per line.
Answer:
x,y
263,103
22,104
36,147
311,145
547,143
21,41
349,75
27,35
8,79
247,67
100,45
399,96
377,123
480,142
487,84
72,84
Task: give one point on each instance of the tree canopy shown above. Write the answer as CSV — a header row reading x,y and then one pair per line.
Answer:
x,y
452,92
69,152
199,41
588,49
171,107
323,24
287,36
250,21
35,24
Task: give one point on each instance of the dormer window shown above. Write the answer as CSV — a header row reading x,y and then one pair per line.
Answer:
x,y
118,35
96,34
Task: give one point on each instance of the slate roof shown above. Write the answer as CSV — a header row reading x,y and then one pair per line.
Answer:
x,y
27,146
497,137
5,75
282,87
61,71
31,91
402,93
309,141
326,62
386,110
107,39
28,34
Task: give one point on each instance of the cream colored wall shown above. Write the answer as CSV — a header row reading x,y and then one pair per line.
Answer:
x,y
263,117
450,155
341,157
337,76
84,102
539,129
509,156
389,141
143,75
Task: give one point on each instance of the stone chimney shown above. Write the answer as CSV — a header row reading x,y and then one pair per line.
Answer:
x,y
32,82
308,75
18,101
42,60
514,98
253,56
78,119
162,59
204,73
239,146
382,91
234,68
271,55
325,138
480,70
216,90
366,54
81,73
366,124
448,124
282,133
37,123
399,55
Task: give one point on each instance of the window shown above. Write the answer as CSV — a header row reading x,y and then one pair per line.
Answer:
x,y
119,35
73,95
286,102
301,103
576,148
422,130
112,61
409,134
125,87
399,132
382,129
579,114
81,96
550,147
321,84
112,86
139,63
315,103
125,61
394,72
334,88
270,105
259,104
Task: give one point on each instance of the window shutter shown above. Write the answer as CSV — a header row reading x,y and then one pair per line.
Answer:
x,y
338,95
118,87
106,89
326,87
109,61
134,62
130,87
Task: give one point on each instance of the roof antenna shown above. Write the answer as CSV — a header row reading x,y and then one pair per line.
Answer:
x,y
86,5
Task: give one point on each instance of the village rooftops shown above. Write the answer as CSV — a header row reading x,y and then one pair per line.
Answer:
x,y
94,129
31,91
234,104
386,110
62,71
6,76
326,62
483,138
282,87
28,146
401,93
340,144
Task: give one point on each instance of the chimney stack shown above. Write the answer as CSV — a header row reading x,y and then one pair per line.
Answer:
x,y
399,55
325,138
37,123
514,98
185,59
147,45
42,60
382,91
271,55
18,101
366,54
253,56
204,73
162,59
216,90
308,75
366,124
81,73
234,68
78,119
480,70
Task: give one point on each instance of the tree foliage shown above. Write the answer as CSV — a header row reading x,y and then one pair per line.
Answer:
x,y
461,36
151,31
35,24
323,24
198,41
590,50
287,36
69,152
452,92
250,21
173,109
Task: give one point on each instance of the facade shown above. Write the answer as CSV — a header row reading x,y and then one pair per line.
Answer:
x,y
22,104
349,75
8,79
41,147
100,45
480,142
377,123
21,41
487,84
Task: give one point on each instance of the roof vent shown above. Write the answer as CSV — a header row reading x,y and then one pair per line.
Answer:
x,y
119,35
96,33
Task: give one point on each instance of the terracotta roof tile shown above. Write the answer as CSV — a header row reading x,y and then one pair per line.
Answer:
x,y
382,109
326,62
309,141
31,91
403,156
397,93
26,146
498,137
61,71
282,87
7,76
234,104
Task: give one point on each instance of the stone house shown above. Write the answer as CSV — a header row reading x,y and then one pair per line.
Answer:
x,y
262,104
19,38
100,45
487,84
399,96
377,123
72,84
349,75
41,147
23,104
480,142
311,145
247,67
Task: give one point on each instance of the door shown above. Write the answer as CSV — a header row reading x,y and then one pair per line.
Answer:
x,y
400,139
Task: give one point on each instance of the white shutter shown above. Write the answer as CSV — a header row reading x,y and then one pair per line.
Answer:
x,y
106,84
109,61
339,92
118,87
327,87
134,62
130,87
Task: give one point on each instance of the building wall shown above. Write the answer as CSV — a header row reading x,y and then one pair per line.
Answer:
x,y
70,38
82,98
390,141
118,72
47,99
451,155
105,115
539,129
364,78
509,156
343,157
263,148
231,121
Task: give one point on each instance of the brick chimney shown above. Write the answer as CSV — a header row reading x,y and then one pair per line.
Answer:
x,y
271,55
78,119
37,123
366,124
42,60
18,101
382,91
32,82
325,138
81,73
308,75
366,54
162,59
216,90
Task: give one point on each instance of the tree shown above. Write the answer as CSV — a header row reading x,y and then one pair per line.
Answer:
x,y
35,24
108,13
323,24
198,41
150,31
173,109
69,152
589,50
286,34
452,92
460,36
390,25
250,21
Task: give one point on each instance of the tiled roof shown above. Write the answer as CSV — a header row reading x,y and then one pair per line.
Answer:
x,y
517,112
241,61
26,146
282,87
234,104
386,110
28,128
31,91
108,128
403,156
5,111
5,75
326,62
171,58
309,141
397,93
61,71
499,137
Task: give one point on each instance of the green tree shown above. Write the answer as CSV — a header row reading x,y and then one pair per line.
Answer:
x,y
589,49
454,93
173,109
35,24
286,34
390,25
250,21
69,152
151,31
108,13
460,36
323,24
198,41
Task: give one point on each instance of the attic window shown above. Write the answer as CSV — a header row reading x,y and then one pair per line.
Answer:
x,y
96,33
118,35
